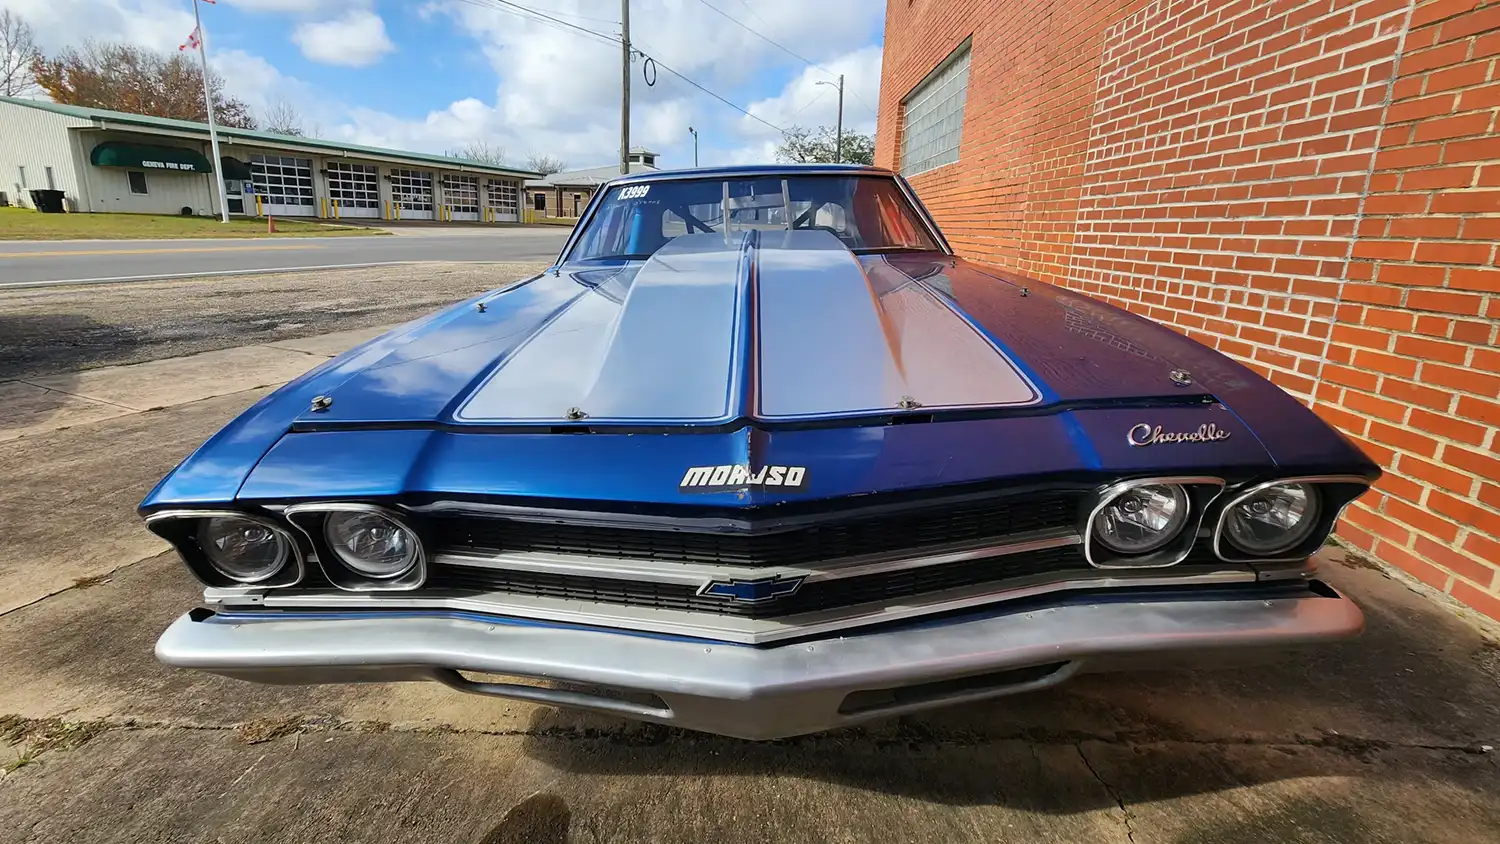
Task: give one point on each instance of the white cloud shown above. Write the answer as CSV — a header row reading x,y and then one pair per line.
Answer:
x,y
303,7
357,39
158,24
558,89
811,99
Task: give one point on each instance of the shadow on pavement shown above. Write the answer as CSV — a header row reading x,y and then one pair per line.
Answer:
x,y
1420,681
36,345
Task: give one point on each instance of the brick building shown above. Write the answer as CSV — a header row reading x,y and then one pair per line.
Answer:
x,y
1310,186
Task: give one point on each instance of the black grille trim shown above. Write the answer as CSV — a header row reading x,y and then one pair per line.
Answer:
x,y
990,519
812,597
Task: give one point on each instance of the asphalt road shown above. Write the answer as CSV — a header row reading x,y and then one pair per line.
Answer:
x,y
46,330
32,262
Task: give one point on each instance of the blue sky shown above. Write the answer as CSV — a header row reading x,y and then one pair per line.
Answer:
x,y
434,75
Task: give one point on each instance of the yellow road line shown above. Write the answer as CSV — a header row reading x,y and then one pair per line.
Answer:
x,y
63,253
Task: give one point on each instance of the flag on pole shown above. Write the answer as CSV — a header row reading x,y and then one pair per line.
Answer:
x,y
192,40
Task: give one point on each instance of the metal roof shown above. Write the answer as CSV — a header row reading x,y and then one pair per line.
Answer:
x,y
253,136
591,177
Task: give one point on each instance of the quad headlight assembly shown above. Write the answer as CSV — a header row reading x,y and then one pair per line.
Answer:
x,y
229,548
1147,523
1283,520
363,547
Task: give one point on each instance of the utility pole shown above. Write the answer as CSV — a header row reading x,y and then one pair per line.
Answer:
x,y
695,146
838,138
208,103
624,87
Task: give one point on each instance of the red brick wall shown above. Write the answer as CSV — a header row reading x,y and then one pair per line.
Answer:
x,y
1310,187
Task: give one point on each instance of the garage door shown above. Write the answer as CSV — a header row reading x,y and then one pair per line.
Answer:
x,y
411,192
501,198
461,195
285,185
355,187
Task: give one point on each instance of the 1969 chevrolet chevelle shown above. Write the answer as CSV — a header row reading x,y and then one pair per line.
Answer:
x,y
759,456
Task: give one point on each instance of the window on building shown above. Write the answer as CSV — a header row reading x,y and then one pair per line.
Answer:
x,y
933,115
51,183
137,181
539,201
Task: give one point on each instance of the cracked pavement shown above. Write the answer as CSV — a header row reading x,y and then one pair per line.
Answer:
x,y
1377,740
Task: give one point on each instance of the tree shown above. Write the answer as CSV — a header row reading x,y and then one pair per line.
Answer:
x,y
18,52
545,164
139,81
805,146
483,152
283,118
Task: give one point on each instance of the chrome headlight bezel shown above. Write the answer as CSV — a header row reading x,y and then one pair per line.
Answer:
x,y
180,528
1200,492
1335,493
310,519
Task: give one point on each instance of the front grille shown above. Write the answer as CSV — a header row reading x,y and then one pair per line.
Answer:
x,y
822,595
911,530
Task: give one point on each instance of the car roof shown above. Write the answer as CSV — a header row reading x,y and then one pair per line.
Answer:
x,y
751,170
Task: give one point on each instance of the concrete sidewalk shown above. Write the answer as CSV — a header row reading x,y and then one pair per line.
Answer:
x,y
114,415
1388,738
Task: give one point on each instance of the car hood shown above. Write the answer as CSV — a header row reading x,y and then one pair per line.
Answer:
x,y
763,349
773,327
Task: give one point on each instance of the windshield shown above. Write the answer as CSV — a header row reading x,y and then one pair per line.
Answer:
x,y
867,213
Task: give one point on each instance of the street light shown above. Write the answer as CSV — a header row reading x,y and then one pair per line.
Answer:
x,y
838,138
695,146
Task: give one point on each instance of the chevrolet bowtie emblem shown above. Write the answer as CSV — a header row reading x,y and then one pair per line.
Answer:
x,y
753,591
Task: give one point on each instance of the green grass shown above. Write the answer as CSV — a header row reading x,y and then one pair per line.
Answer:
x,y
26,224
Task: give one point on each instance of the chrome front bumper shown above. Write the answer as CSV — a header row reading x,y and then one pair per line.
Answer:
x,y
759,692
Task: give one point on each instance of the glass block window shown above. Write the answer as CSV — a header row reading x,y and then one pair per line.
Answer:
x,y
934,116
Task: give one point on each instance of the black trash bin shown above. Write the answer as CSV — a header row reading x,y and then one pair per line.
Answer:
x,y
48,201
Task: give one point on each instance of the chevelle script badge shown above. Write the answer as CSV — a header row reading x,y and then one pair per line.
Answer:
x,y
1147,434
721,478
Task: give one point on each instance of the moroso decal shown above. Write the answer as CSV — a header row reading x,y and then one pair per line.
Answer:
x,y
733,477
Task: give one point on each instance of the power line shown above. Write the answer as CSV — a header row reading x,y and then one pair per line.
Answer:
x,y
821,92
663,66
527,12
785,49
539,17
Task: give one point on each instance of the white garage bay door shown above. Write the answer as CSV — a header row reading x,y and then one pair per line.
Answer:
x,y
411,192
461,195
501,198
284,184
355,188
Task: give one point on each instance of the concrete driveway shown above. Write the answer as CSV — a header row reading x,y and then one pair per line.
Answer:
x,y
1385,739
72,261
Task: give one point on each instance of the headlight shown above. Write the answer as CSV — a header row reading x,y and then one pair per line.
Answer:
x,y
1273,520
243,550
1142,519
371,544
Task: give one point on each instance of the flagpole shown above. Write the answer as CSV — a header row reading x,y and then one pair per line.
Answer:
x,y
208,102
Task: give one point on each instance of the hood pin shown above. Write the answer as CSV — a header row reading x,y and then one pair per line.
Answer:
x,y
321,403
480,307
1180,377
576,413
908,403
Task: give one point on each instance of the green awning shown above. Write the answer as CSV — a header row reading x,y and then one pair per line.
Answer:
x,y
233,168
147,157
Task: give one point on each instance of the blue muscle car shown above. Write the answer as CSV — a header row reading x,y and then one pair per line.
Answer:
x,y
759,456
